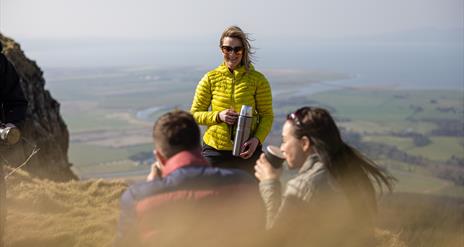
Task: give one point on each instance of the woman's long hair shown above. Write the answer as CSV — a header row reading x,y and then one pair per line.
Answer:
x,y
352,170
236,32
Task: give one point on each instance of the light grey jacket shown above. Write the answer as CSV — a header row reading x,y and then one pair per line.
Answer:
x,y
314,186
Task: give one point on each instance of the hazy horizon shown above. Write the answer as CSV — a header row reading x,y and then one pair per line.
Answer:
x,y
395,42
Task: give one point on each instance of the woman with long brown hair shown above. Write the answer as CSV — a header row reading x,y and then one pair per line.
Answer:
x,y
332,199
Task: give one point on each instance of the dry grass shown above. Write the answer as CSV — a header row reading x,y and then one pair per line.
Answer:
x,y
78,213
45,213
424,220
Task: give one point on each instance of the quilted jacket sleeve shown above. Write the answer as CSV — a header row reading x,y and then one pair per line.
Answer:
x,y
271,194
127,229
201,103
264,108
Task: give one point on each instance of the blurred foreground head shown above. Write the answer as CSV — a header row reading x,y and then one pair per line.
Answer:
x,y
192,203
315,127
176,131
331,201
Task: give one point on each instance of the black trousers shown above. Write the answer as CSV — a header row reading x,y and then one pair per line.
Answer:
x,y
225,159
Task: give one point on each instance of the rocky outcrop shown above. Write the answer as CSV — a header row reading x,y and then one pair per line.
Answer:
x,y
44,127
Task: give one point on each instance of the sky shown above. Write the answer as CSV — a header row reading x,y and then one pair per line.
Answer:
x,y
414,40
201,19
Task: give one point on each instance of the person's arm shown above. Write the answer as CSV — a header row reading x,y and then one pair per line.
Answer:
x,y
294,201
201,103
127,228
269,188
281,209
271,194
263,99
282,213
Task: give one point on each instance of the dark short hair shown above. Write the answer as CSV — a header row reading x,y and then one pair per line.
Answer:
x,y
176,131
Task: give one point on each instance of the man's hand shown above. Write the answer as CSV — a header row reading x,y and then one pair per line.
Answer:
x,y
228,116
155,171
249,148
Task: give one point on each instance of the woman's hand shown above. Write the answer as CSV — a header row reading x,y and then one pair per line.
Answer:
x,y
264,170
228,116
249,148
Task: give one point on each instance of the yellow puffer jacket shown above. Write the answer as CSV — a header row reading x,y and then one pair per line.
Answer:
x,y
220,89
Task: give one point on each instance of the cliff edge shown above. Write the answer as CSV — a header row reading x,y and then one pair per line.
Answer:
x,y
44,127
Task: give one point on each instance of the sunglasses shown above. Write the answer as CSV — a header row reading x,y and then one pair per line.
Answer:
x,y
230,49
297,115
294,117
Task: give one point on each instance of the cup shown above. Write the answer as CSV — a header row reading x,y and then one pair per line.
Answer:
x,y
274,156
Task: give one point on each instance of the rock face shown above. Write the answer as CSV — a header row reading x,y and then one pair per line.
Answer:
x,y
44,127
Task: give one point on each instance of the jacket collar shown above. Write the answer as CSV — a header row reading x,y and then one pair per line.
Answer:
x,y
238,72
311,162
182,159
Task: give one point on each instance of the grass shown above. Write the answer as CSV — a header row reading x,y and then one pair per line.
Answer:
x,y
86,154
422,184
118,168
391,106
403,143
93,120
364,126
361,105
384,111
441,148
140,100
423,220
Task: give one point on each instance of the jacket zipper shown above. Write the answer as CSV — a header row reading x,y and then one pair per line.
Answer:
x,y
232,97
233,92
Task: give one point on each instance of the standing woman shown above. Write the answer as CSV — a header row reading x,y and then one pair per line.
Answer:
x,y
331,201
220,95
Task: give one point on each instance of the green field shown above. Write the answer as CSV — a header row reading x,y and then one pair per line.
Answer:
x,y
417,183
374,126
392,105
88,154
93,120
441,148
382,112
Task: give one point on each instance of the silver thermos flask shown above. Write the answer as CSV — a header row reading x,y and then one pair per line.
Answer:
x,y
243,129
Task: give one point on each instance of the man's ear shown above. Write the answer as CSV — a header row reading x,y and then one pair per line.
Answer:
x,y
305,143
160,157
